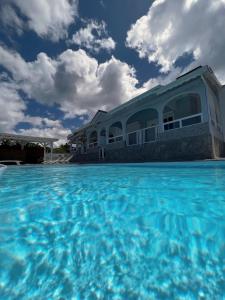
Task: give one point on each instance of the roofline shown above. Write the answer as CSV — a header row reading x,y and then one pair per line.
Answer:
x,y
102,111
189,72
34,139
161,89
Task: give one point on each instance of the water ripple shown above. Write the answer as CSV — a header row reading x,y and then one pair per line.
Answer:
x,y
145,231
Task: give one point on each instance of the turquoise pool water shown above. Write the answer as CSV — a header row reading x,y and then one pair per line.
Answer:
x,y
136,231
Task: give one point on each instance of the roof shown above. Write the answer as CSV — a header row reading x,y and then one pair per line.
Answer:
x,y
34,139
98,116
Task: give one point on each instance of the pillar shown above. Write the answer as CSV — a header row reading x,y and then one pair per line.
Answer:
x,y
51,145
88,140
22,145
161,126
124,131
99,137
107,134
44,151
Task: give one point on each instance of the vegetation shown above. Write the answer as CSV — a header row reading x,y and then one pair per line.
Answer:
x,y
62,149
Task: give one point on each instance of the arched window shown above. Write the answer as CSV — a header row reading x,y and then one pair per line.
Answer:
x,y
184,110
93,139
115,132
141,127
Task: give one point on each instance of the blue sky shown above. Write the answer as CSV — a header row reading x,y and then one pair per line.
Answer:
x,y
61,60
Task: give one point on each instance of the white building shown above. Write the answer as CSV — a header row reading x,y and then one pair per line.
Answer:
x,y
184,120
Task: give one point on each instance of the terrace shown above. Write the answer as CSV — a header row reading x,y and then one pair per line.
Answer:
x,y
144,126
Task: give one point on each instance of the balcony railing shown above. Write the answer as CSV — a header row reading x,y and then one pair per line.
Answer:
x,y
150,134
183,122
142,136
115,139
93,145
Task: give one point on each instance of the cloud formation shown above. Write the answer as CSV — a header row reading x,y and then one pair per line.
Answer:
x,y
11,106
93,37
48,18
46,128
74,80
13,112
174,28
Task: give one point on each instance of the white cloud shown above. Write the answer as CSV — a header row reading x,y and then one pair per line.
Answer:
x,y
74,80
13,112
9,18
41,122
163,79
93,37
11,106
48,18
173,28
51,131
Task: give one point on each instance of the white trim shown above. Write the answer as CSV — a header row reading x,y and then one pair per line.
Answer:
x,y
146,107
142,131
136,138
189,92
180,122
93,145
27,139
114,138
155,127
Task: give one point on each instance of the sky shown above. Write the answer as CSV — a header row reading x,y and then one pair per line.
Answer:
x,y
62,60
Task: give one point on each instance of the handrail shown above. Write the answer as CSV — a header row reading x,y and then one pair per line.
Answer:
x,y
156,132
142,131
182,119
93,145
136,137
113,138
179,122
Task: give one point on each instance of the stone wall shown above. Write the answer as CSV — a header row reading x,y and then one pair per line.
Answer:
x,y
181,149
86,158
189,131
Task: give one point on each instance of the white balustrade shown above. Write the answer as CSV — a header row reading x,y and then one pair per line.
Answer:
x,y
115,139
183,122
142,136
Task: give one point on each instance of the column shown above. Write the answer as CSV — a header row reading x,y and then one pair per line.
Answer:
x,y
161,126
99,137
107,134
22,145
51,145
124,131
44,145
88,140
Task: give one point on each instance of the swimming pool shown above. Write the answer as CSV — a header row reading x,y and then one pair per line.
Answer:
x,y
132,231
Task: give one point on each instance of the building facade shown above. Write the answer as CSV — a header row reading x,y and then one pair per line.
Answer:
x,y
184,120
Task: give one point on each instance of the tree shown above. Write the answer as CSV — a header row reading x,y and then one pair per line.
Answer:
x,y
64,148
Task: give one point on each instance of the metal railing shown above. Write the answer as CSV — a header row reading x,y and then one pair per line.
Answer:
x,y
93,145
142,136
150,134
115,139
183,122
